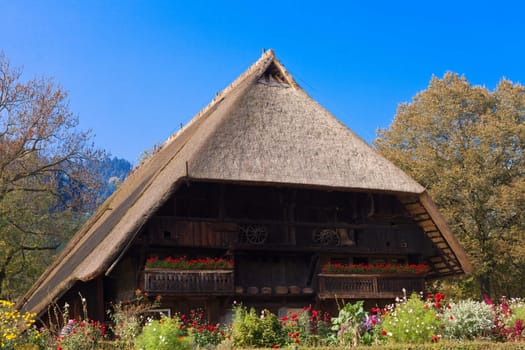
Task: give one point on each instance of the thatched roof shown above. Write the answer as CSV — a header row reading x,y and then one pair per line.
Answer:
x,y
263,128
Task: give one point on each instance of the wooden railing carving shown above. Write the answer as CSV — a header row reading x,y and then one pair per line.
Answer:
x,y
367,286
181,282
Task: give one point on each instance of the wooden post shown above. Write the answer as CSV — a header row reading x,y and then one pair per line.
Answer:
x,y
291,218
221,203
100,312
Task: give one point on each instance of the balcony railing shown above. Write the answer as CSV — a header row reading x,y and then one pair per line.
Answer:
x,y
183,282
369,286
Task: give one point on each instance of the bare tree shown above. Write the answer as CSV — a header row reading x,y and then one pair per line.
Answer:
x,y
46,181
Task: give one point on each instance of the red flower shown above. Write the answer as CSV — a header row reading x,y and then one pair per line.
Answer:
x,y
383,332
435,338
439,297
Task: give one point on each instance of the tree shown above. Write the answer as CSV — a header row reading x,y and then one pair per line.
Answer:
x,y
45,187
465,144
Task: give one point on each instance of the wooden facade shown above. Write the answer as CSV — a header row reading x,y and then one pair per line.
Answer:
x,y
279,238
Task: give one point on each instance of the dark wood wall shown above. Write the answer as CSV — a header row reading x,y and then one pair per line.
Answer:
x,y
277,236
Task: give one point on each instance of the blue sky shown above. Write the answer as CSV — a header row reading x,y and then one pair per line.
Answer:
x,y
136,70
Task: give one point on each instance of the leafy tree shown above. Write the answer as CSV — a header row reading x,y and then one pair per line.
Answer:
x,y
465,144
45,187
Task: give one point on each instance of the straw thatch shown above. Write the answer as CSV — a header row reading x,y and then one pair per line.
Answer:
x,y
263,128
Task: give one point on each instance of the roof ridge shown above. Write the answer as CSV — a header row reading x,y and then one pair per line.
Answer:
x,y
266,58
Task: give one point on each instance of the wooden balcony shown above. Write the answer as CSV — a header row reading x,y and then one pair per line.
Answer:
x,y
369,286
184,282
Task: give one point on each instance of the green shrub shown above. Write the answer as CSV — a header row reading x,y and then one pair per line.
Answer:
x,y
128,318
412,321
162,335
468,319
348,323
250,330
245,327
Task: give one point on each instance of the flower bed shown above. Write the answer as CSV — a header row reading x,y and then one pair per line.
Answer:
x,y
183,263
416,269
417,322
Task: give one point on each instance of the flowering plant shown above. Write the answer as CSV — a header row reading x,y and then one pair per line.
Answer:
x,y
183,263
84,334
417,269
128,318
204,334
414,320
308,327
12,324
163,334
467,320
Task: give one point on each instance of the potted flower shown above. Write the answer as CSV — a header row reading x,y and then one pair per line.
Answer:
x,y
410,269
183,263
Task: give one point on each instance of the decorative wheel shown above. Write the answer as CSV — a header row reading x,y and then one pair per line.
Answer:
x,y
255,234
326,237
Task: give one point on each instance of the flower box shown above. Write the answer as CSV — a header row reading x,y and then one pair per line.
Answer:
x,y
183,282
411,269
368,286
183,263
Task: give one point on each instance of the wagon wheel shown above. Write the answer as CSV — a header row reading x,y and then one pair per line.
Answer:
x,y
326,237
255,234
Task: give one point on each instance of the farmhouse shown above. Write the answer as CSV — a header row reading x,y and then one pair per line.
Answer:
x,y
268,179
